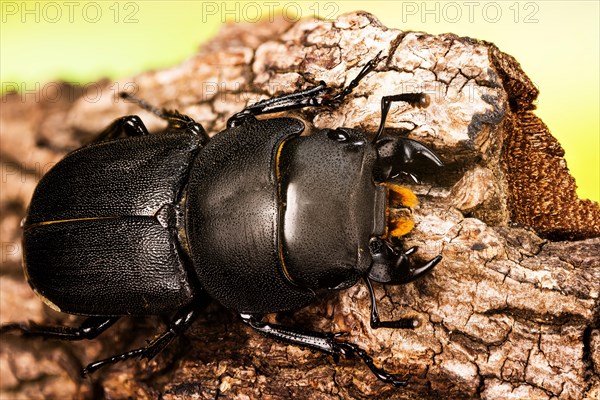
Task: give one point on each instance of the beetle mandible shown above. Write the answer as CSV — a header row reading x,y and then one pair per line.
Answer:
x,y
260,217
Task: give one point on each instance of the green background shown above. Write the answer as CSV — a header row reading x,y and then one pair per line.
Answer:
x,y
556,42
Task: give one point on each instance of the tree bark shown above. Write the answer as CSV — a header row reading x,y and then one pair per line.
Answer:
x,y
512,311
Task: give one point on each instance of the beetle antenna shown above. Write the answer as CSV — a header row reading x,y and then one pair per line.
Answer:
x,y
159,112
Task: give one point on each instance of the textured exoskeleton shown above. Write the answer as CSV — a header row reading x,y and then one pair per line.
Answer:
x,y
261,217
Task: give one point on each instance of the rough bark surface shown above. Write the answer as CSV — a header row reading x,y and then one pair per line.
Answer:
x,y
507,314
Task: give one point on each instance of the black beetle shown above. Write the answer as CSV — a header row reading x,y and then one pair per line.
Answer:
x,y
260,218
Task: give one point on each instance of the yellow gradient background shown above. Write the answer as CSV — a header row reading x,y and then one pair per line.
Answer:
x,y
556,42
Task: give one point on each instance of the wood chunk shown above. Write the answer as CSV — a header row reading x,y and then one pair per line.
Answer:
x,y
512,311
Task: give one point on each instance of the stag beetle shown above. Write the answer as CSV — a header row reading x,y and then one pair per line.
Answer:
x,y
259,217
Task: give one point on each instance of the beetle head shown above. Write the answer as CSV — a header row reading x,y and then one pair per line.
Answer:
x,y
335,199
328,196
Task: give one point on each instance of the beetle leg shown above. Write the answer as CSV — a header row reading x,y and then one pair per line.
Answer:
x,y
180,322
370,66
130,125
177,122
300,99
315,96
324,342
89,329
